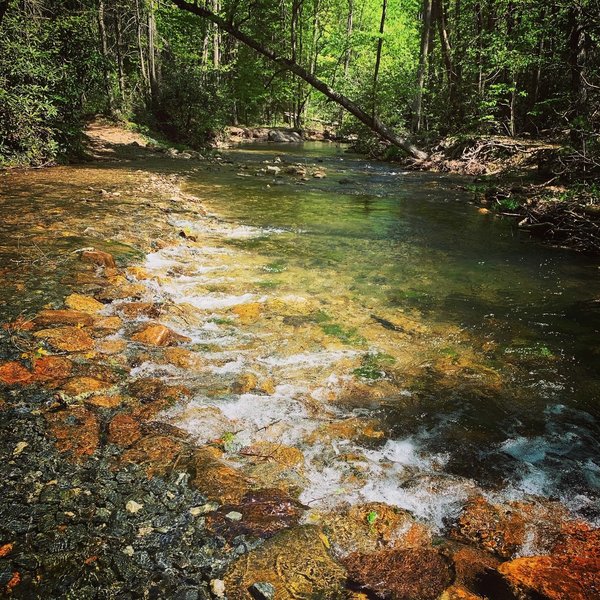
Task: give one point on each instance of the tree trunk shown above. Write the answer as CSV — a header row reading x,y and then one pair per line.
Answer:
x,y
577,60
348,55
119,51
423,57
152,72
140,47
372,122
104,51
378,56
3,9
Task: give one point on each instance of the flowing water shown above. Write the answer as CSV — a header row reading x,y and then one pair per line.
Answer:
x,y
414,350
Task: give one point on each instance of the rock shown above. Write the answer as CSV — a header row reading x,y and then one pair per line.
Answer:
x,y
295,563
457,592
245,383
102,401
217,480
264,513
552,577
504,529
111,346
400,574
470,564
172,152
107,324
133,507
234,515
154,395
366,528
353,428
138,272
69,339
183,358
287,456
159,335
273,170
217,587
98,257
12,373
63,317
76,431
156,453
247,313
578,539
134,310
51,369
121,292
5,550
83,385
319,174
262,590
124,430
284,136
85,304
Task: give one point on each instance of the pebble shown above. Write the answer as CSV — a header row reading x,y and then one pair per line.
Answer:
x,y
133,507
234,516
217,587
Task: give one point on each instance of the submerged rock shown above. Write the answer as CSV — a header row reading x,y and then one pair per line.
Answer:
x,y
217,480
420,573
124,430
63,317
83,385
69,339
98,257
159,335
13,372
366,528
294,562
76,430
504,529
134,310
553,577
84,304
248,313
51,369
156,453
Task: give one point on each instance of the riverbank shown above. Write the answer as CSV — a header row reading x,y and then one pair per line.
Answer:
x,y
140,412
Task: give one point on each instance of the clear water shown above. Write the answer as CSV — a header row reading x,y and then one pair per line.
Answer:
x,y
384,242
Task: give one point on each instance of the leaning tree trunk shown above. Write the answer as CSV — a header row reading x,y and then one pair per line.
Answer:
x,y
370,121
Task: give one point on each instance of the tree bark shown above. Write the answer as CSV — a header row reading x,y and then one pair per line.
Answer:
x,y
372,122
378,56
423,57
3,9
105,58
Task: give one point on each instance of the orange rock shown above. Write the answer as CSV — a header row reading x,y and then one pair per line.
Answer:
x,y
108,324
267,386
133,310
183,358
5,550
578,539
83,385
111,346
76,431
503,529
470,563
124,430
63,317
248,313
15,580
138,272
19,324
354,428
156,453
217,480
553,577
98,257
458,592
103,401
85,304
120,292
401,574
51,368
13,372
69,339
245,383
287,456
159,335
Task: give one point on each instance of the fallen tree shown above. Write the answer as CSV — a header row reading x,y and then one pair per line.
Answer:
x,y
369,120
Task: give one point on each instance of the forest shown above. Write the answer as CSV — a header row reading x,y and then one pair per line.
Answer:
x,y
425,70
299,299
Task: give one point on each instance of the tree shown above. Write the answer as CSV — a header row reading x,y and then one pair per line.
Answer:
x,y
371,121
